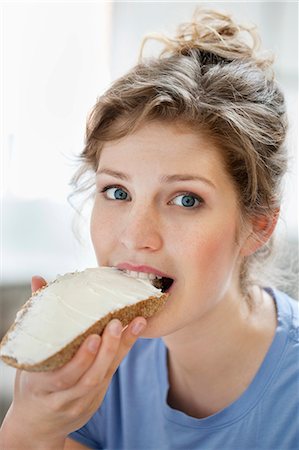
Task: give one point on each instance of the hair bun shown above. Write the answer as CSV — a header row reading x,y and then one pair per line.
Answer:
x,y
216,37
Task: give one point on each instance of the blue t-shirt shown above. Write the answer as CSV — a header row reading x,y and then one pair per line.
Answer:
x,y
135,414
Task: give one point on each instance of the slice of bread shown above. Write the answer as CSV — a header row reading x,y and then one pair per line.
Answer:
x,y
53,323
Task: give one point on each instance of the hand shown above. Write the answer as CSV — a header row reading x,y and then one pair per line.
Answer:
x,y
50,405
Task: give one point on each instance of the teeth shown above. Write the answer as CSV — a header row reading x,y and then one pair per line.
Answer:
x,y
142,275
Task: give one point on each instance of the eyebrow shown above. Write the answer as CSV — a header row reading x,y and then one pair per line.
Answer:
x,y
163,179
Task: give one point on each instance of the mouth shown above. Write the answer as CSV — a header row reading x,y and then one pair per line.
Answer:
x,y
158,281
163,283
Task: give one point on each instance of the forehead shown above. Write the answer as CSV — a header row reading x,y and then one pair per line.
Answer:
x,y
163,140
159,147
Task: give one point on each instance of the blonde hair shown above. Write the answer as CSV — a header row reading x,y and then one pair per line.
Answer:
x,y
212,77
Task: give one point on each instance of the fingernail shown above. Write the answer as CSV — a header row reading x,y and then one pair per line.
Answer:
x,y
93,344
138,327
115,327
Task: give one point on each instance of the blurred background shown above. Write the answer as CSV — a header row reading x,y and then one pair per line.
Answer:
x,y
56,59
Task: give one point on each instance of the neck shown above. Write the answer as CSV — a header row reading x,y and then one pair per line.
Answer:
x,y
211,364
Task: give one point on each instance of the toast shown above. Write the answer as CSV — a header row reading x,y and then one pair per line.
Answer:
x,y
53,323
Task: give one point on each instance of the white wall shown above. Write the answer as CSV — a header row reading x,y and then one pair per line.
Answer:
x,y
55,62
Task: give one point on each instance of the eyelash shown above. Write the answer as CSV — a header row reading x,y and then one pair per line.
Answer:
x,y
196,197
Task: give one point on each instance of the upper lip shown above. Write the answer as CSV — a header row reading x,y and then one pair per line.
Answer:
x,y
142,268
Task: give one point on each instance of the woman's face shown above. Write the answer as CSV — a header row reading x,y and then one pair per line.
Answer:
x,y
165,204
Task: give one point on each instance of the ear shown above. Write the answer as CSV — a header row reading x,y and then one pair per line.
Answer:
x,y
260,231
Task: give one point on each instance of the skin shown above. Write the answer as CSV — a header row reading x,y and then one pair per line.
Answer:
x,y
215,341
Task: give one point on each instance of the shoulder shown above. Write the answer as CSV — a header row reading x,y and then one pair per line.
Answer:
x,y
287,312
284,350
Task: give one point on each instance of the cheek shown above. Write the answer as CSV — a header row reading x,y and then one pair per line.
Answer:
x,y
102,228
211,252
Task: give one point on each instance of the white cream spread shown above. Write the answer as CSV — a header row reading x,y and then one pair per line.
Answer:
x,y
68,307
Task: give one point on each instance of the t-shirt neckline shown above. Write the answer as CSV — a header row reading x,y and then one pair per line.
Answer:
x,y
251,396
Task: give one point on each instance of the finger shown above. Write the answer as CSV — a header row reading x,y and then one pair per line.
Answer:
x,y
128,339
68,375
37,282
108,350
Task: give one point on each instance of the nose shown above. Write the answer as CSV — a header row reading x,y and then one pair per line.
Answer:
x,y
141,229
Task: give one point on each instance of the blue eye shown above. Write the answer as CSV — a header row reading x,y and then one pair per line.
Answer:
x,y
187,201
115,193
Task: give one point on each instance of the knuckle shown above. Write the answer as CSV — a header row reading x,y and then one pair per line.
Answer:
x,y
111,345
75,411
83,364
60,384
55,404
90,382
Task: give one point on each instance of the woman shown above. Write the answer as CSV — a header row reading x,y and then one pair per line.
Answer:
x,y
187,151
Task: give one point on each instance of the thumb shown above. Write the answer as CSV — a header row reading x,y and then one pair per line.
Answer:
x,y
37,282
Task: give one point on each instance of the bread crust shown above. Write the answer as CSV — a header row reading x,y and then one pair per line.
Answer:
x,y
145,308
